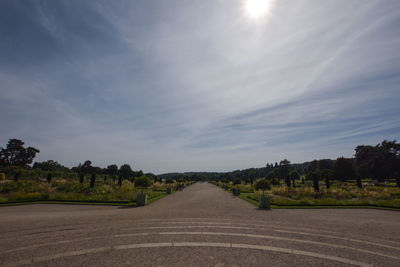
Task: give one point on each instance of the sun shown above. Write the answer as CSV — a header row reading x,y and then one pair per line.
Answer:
x,y
258,8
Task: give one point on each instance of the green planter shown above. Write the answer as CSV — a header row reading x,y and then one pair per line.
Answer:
x,y
141,200
169,190
263,203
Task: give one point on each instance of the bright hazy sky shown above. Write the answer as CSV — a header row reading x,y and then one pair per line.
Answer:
x,y
201,85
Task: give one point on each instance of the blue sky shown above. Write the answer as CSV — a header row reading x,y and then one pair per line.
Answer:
x,y
198,85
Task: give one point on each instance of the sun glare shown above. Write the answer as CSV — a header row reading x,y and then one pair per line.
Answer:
x,y
258,8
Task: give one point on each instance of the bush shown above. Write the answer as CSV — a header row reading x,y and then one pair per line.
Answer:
x,y
275,181
237,181
2,177
263,185
143,182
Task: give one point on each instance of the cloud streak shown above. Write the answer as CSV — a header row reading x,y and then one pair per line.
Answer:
x,y
179,86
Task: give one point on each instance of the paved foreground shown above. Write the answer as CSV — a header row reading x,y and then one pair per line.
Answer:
x,y
202,226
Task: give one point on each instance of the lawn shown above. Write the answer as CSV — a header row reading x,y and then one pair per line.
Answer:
x,y
339,195
67,190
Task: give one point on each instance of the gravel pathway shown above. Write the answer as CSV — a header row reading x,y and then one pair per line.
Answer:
x,y
199,226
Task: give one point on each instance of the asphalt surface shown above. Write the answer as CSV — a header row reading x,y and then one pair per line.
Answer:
x,y
199,226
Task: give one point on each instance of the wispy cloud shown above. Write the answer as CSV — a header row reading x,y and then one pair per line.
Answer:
x,y
178,85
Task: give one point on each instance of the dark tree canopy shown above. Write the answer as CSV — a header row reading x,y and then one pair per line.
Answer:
x,y
126,171
112,170
284,168
142,182
49,165
379,162
15,154
237,181
263,184
294,175
344,169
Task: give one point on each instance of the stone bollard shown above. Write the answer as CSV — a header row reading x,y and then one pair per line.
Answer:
x,y
141,200
263,203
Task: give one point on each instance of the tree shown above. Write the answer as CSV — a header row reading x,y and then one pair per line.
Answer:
x,y
142,182
344,169
313,166
325,164
328,175
87,167
120,180
379,162
283,171
294,175
359,184
15,154
263,184
271,175
287,181
81,178
18,175
315,179
169,181
50,165
126,171
112,171
237,182
49,176
92,180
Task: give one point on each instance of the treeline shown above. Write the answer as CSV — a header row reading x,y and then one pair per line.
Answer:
x,y
380,162
16,160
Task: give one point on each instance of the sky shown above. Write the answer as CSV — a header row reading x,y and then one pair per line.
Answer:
x,y
201,85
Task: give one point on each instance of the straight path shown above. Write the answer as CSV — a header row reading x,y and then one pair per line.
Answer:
x,y
200,226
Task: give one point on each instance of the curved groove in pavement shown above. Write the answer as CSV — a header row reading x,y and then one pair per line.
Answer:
x,y
256,223
280,231
192,244
269,237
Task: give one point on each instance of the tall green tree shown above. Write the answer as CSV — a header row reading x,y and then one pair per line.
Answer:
x,y
50,165
112,171
327,175
315,178
294,175
284,169
344,168
378,162
126,171
93,180
15,154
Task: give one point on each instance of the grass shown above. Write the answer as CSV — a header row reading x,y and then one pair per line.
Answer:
x,y
71,192
287,204
340,195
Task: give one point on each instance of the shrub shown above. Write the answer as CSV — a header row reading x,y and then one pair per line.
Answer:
x,y
92,180
120,180
81,178
169,181
143,182
49,176
275,181
263,185
2,177
315,179
17,175
237,181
